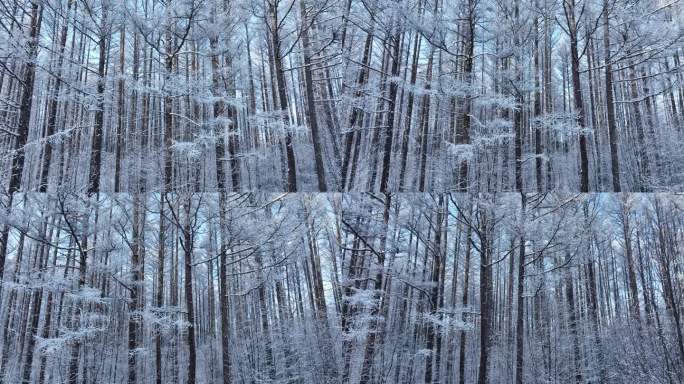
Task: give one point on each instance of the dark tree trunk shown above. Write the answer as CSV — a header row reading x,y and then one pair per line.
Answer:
x,y
53,104
520,304
188,249
312,116
569,8
392,106
18,157
610,104
291,163
485,297
98,127
432,333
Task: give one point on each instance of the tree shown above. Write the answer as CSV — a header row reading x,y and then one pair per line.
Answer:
x,y
293,286
572,23
21,136
610,105
341,95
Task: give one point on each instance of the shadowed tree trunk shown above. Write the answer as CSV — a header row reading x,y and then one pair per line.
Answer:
x,y
610,104
312,116
569,8
98,127
519,324
18,154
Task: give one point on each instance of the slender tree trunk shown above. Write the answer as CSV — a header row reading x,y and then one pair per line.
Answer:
x,y
121,125
223,283
291,164
425,123
357,115
392,106
572,324
367,375
520,304
433,333
188,249
53,104
169,57
631,273
409,111
464,302
72,372
538,145
610,104
644,166
18,155
486,298
463,137
37,300
98,127
518,112
159,298
569,7
134,317
312,116
594,315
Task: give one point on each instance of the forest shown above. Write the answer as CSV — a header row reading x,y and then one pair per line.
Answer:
x,y
341,95
341,191
343,288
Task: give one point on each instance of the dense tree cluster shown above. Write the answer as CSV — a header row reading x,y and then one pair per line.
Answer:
x,y
314,288
341,95
341,191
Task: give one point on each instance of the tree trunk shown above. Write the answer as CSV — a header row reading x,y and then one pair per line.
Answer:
x,y
486,319
312,116
356,120
572,323
374,331
392,105
569,7
98,127
538,146
631,273
134,316
121,125
610,103
463,137
425,122
188,249
409,111
520,304
291,164
18,156
221,183
432,332
159,299
169,57
53,104
644,166
464,302
37,300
